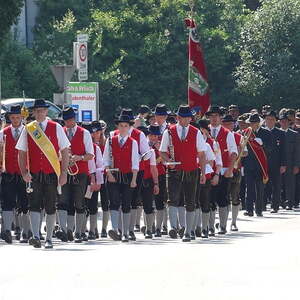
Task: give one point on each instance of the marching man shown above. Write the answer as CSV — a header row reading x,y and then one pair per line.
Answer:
x,y
39,148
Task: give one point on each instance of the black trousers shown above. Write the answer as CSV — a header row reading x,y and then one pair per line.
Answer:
x,y
44,193
255,191
234,188
161,198
243,192
182,186
297,194
204,196
14,194
147,195
219,193
274,184
120,192
73,192
136,194
92,204
104,197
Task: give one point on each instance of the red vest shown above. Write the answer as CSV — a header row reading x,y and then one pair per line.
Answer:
x,y
122,156
222,140
186,150
78,148
11,153
38,161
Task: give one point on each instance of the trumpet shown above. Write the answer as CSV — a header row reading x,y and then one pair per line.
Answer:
x,y
242,147
29,188
73,167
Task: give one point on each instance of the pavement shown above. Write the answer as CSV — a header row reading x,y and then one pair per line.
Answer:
x,y
261,261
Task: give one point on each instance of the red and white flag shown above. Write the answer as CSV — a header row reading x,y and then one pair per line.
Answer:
x,y
198,91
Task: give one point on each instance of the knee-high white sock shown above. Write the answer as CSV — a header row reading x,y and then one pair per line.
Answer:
x,y
63,217
165,220
205,220
149,222
212,218
200,218
105,217
189,221
8,217
173,216
84,223
181,216
93,222
25,223
126,221
197,212
41,220
133,214
35,219
138,215
159,218
50,224
71,222
235,213
114,216
120,220
223,216
79,218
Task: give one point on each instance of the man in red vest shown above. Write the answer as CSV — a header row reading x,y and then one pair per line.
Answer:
x,y
184,144
73,192
36,169
121,161
13,186
229,153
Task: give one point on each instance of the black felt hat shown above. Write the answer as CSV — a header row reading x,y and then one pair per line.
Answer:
x,y
39,103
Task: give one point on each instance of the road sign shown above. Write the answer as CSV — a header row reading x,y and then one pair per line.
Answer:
x,y
82,61
81,38
62,74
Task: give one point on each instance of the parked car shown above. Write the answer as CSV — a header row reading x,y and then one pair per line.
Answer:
x,y
53,113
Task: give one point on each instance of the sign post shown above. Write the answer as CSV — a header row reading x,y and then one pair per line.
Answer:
x,y
81,56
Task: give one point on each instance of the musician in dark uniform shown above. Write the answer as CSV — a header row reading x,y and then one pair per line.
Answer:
x,y
38,169
293,161
276,160
253,168
13,186
183,180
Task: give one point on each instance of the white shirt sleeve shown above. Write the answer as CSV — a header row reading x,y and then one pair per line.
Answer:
x,y
164,145
99,166
231,145
92,166
106,155
218,154
63,141
152,158
1,136
22,141
201,145
135,157
209,153
88,142
144,145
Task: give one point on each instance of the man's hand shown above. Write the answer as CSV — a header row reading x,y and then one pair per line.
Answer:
x,y
75,158
202,179
95,187
155,189
111,178
62,179
133,184
295,170
215,180
282,169
27,177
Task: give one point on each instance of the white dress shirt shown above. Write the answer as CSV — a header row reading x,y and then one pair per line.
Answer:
x,y
144,146
135,157
63,141
87,139
163,127
165,142
97,166
13,129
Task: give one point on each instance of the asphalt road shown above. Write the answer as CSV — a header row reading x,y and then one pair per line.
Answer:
x,y
261,261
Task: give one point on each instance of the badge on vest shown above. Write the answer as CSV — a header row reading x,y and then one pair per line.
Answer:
x,y
36,134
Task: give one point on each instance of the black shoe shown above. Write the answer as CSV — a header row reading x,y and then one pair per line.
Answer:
x,y
137,228
198,231
173,233
17,233
91,236
181,232
7,237
193,237
30,235
274,211
70,235
41,237
204,234
114,235
24,238
103,233
97,233
78,238
35,242
157,233
248,214
153,229
164,230
131,236
289,208
125,238
61,235
186,238
233,227
48,245
84,237
148,235
143,230
211,232
222,230
259,215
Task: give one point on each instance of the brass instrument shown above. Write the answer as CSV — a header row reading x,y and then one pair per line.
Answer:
x,y
24,109
73,167
172,152
245,140
111,168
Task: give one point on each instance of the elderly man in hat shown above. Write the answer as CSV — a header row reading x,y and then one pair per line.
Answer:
x,y
184,144
276,160
255,164
121,161
72,201
13,186
229,153
40,146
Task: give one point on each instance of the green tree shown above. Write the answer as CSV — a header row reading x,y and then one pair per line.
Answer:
x,y
270,68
